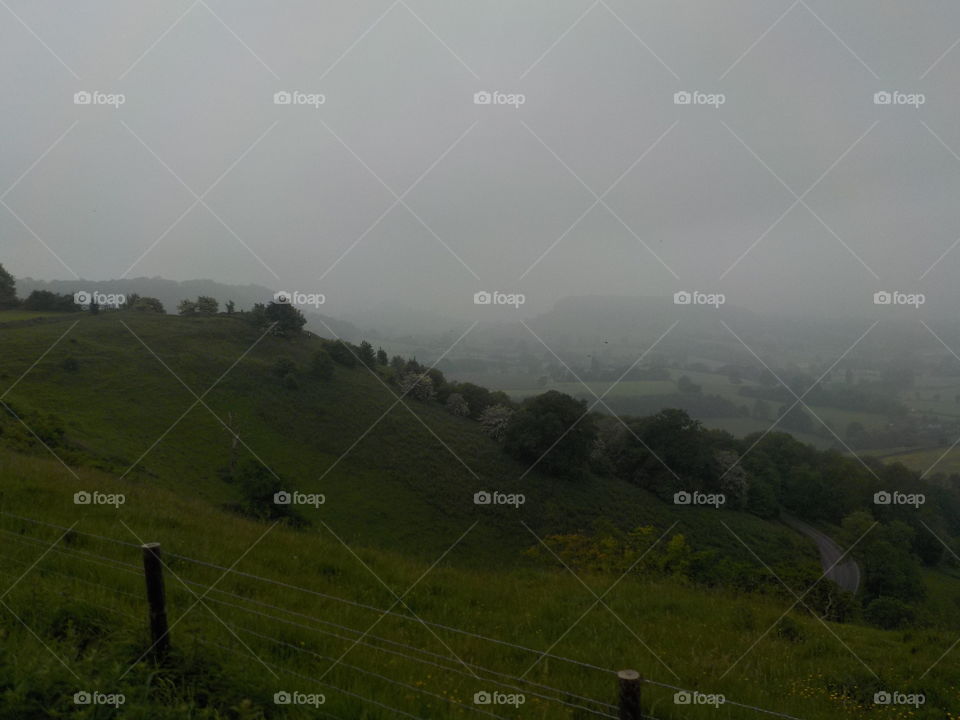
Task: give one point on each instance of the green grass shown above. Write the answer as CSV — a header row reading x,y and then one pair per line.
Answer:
x,y
936,460
394,475
100,632
398,495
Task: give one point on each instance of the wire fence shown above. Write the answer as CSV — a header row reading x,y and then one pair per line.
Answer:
x,y
575,702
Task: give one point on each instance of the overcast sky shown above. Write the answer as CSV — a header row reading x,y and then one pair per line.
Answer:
x,y
400,190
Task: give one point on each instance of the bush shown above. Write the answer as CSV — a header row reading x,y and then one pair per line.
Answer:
x,y
456,405
257,487
148,304
419,387
889,613
494,421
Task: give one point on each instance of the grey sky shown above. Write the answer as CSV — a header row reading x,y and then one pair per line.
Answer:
x,y
500,192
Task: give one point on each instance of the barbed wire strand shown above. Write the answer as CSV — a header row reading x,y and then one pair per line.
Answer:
x,y
373,608
437,665
364,671
294,673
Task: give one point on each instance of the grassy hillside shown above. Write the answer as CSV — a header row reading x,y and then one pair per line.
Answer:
x,y
397,475
109,403
84,599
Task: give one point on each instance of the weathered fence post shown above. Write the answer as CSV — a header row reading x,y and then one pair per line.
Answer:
x,y
157,598
629,681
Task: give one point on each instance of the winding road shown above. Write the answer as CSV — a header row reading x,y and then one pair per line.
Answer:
x,y
846,573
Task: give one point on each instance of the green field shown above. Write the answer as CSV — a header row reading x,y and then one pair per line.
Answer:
x,y
936,460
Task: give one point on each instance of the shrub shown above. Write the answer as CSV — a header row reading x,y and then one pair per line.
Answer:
x,y
456,405
419,387
148,304
494,421
889,613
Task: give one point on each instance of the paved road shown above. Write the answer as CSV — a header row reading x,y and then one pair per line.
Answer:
x,y
846,574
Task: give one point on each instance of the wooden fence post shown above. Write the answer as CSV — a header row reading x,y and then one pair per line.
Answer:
x,y
157,598
629,682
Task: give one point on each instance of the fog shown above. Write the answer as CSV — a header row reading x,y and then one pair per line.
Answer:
x,y
799,193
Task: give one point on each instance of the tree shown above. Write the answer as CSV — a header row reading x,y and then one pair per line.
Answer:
x,y
44,300
8,290
366,354
207,305
187,307
398,363
494,421
231,307
149,304
553,430
322,366
456,405
419,387
382,358
285,318
673,453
